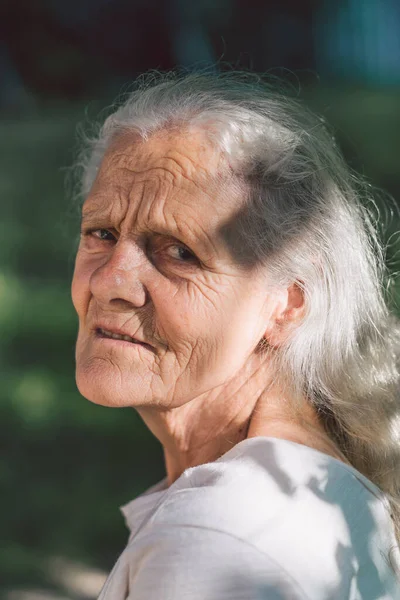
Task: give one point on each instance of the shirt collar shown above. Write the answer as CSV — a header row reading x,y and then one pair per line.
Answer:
x,y
135,511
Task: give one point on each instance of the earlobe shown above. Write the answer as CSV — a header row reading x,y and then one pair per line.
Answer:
x,y
277,335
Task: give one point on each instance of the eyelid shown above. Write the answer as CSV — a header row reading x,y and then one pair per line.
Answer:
x,y
172,242
86,231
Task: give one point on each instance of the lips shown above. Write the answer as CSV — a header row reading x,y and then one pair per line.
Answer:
x,y
114,333
116,336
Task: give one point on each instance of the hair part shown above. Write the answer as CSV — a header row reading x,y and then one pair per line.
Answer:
x,y
310,220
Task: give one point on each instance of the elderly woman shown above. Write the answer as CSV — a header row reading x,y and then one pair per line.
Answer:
x,y
229,285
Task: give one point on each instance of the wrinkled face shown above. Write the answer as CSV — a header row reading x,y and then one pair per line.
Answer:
x,y
153,263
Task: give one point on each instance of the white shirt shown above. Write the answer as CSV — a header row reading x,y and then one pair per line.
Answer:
x,y
271,519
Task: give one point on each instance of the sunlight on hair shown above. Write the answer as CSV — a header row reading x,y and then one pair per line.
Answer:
x,y
395,424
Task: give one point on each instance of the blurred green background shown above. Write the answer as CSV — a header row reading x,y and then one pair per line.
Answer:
x,y
67,465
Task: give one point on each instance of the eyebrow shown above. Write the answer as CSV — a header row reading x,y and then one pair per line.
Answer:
x,y
93,212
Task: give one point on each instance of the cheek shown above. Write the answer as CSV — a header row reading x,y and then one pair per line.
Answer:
x,y
188,314
80,286
197,323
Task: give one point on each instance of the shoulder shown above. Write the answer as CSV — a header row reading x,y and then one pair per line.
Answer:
x,y
268,486
300,515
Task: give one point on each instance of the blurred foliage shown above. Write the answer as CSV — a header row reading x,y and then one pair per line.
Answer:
x,y
66,465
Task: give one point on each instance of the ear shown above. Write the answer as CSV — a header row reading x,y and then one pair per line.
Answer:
x,y
287,315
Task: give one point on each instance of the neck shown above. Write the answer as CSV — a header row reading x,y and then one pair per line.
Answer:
x,y
203,429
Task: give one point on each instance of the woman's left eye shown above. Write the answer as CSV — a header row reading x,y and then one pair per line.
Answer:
x,y
182,253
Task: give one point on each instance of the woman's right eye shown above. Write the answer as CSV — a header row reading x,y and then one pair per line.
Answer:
x,y
99,234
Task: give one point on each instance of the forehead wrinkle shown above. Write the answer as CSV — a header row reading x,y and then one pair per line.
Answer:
x,y
190,151
189,156
141,198
102,202
199,178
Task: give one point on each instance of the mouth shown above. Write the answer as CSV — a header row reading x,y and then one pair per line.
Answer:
x,y
103,333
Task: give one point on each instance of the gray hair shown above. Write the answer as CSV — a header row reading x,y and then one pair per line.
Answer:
x,y
312,221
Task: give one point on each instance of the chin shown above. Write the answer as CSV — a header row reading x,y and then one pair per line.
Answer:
x,y
93,388
100,387
96,393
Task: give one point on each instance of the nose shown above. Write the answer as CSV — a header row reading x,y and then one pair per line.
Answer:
x,y
119,280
